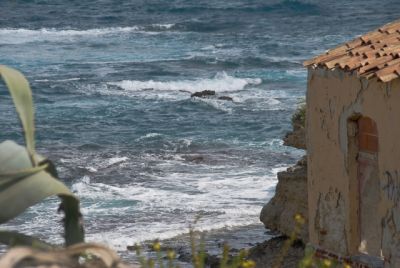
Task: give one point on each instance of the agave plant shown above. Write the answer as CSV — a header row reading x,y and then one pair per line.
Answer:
x,y
26,177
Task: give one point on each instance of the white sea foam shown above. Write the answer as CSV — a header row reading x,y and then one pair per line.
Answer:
x,y
160,231
166,26
92,169
94,165
164,206
221,82
22,35
278,169
225,200
217,104
116,160
149,136
65,32
58,80
297,73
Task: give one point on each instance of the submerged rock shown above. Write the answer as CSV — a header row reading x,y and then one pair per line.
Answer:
x,y
227,98
210,94
203,94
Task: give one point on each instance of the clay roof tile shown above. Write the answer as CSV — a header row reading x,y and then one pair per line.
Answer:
x,y
374,54
388,73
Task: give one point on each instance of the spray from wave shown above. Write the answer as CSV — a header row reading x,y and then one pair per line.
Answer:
x,y
221,82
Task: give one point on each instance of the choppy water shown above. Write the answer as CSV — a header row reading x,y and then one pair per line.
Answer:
x,y
112,83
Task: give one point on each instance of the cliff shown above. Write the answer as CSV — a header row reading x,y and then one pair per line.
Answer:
x,y
291,191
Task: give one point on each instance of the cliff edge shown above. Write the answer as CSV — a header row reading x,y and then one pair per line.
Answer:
x,y
291,191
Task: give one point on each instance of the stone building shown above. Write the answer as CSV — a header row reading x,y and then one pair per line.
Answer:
x,y
353,145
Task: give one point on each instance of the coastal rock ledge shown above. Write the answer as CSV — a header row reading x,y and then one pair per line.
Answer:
x,y
290,198
291,191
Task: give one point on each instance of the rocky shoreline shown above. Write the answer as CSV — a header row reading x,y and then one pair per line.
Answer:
x,y
263,246
291,191
270,247
290,199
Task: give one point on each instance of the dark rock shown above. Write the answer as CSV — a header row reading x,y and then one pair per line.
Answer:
x,y
297,137
204,93
212,261
131,248
227,98
184,256
269,253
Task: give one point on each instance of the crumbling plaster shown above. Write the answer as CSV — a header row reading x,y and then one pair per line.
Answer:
x,y
333,98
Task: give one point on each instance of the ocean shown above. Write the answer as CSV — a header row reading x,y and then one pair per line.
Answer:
x,y
112,84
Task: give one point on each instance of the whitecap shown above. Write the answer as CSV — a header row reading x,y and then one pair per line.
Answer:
x,y
165,26
149,136
58,80
216,104
65,32
221,82
116,160
23,35
91,169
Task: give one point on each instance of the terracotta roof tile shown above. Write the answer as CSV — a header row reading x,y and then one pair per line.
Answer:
x,y
374,54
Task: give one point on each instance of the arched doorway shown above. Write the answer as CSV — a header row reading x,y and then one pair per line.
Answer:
x,y
368,187
364,186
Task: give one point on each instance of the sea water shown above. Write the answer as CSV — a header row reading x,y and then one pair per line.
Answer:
x,y
112,84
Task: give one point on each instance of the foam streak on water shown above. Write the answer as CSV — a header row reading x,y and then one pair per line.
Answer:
x,y
22,35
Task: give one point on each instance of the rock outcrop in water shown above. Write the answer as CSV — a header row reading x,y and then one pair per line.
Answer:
x,y
291,191
227,98
203,94
210,94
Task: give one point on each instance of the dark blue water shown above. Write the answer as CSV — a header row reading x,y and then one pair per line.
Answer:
x,y
112,82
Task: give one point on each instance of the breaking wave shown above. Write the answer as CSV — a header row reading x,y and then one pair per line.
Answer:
x,y
221,82
22,35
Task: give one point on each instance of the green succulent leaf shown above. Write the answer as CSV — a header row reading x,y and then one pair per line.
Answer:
x,y
27,178
22,186
22,97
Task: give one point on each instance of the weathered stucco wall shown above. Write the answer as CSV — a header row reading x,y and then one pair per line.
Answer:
x,y
333,98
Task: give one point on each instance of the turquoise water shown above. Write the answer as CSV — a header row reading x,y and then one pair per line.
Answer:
x,y
112,85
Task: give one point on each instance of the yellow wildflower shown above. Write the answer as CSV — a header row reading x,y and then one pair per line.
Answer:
x,y
299,218
171,254
248,264
157,246
327,263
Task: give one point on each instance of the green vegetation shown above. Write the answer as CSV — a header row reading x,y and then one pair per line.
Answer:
x,y
26,177
299,116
